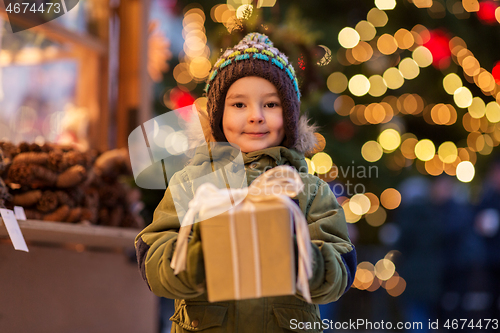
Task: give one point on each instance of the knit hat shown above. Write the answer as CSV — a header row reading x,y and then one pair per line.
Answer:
x,y
254,55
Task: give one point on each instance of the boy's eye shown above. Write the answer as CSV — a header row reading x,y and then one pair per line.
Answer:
x,y
272,105
238,105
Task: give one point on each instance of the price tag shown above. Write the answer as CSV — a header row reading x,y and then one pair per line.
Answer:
x,y
19,213
16,236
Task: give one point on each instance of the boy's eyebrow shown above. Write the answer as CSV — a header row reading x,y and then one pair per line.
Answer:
x,y
235,96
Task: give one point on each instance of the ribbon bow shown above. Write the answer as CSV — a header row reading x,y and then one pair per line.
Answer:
x,y
277,184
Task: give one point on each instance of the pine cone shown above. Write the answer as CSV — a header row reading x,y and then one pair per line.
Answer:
x,y
60,214
71,177
27,199
56,161
48,202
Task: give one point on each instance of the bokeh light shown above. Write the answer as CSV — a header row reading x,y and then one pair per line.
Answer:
x,y
404,39
337,82
372,151
465,171
390,198
359,204
409,68
477,109
359,85
448,152
493,112
376,218
389,139
377,86
366,30
377,17
422,56
322,162
462,97
393,78
386,44
451,83
348,38
425,150
384,269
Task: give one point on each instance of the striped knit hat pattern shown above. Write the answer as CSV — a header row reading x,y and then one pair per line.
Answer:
x,y
254,55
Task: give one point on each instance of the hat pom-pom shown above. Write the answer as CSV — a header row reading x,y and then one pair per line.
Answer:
x,y
255,37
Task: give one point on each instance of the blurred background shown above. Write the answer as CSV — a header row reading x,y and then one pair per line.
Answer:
x,y
406,94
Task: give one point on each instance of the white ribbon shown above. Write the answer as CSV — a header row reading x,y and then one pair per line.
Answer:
x,y
280,183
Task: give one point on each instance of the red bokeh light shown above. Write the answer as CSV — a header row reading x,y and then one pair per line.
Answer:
x,y
344,130
180,98
496,72
486,12
439,45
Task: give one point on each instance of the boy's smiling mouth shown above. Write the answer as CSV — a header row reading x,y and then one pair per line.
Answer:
x,y
255,134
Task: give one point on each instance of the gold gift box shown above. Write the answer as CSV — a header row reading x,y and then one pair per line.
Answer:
x,y
249,258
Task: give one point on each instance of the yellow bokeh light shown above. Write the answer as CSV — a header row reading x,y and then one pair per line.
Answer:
x,y
311,169
182,74
376,218
409,68
350,216
322,162
465,171
497,14
462,97
493,112
390,198
385,4
404,38
477,109
384,269
386,44
200,67
451,83
377,17
448,152
422,56
359,85
366,30
389,139
393,78
348,38
337,82
377,86
425,150
372,151
359,204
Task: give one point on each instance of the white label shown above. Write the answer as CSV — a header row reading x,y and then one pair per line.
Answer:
x,y
16,236
19,212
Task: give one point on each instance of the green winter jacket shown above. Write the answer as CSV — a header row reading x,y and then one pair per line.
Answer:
x,y
334,258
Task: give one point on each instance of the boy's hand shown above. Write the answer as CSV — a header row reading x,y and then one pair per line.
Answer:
x,y
195,266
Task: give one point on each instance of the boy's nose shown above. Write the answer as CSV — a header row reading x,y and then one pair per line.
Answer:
x,y
256,115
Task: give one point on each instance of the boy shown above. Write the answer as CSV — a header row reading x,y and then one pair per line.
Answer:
x,y
253,103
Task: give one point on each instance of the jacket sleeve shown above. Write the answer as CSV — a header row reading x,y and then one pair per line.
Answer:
x,y
155,246
333,254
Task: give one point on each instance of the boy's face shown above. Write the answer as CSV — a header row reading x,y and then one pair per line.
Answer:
x,y
253,115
